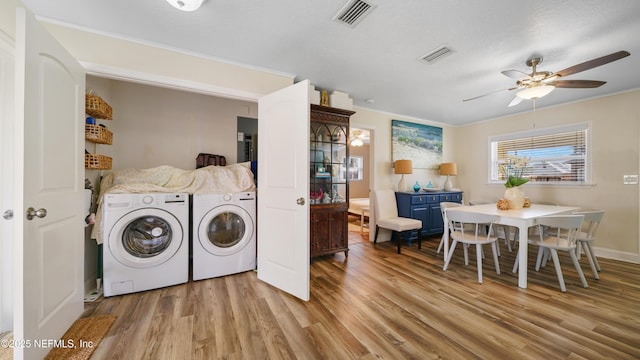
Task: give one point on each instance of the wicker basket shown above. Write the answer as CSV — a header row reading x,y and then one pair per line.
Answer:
x,y
98,134
98,108
97,162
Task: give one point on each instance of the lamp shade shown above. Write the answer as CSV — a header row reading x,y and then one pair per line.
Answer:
x,y
535,92
448,169
403,167
186,5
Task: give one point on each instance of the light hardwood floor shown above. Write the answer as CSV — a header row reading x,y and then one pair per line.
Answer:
x,y
378,304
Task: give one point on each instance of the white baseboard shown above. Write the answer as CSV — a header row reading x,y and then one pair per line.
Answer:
x,y
617,255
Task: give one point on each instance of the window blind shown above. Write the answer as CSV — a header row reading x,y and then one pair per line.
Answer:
x,y
555,155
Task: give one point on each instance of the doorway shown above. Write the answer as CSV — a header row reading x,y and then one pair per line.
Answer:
x,y
359,169
247,139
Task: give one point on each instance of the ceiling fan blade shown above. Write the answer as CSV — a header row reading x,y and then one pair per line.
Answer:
x,y
493,92
593,63
516,100
516,74
577,84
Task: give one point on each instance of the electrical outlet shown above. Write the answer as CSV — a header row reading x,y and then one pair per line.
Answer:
x,y
630,179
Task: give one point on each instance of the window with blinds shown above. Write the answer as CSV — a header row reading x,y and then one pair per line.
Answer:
x,y
556,155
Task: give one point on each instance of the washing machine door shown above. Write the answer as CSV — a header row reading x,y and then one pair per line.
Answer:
x,y
145,238
225,230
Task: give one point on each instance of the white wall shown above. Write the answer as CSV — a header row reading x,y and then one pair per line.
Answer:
x,y
155,126
615,145
100,53
381,149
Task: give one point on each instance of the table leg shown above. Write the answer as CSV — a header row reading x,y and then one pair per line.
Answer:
x,y
523,247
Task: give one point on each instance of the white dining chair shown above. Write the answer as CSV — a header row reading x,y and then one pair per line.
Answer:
x,y
496,227
444,206
469,229
557,233
385,211
586,236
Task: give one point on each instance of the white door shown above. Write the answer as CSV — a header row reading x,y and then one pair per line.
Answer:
x,y
7,69
283,183
49,173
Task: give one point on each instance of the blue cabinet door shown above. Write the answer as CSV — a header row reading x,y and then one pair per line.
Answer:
x,y
425,206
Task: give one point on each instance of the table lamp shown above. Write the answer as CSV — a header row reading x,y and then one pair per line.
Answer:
x,y
403,167
449,169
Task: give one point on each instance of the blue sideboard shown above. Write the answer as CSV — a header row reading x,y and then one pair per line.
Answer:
x,y
425,206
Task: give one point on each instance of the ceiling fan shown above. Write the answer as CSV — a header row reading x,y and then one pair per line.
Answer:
x,y
359,137
540,83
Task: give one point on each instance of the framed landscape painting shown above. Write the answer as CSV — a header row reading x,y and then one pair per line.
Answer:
x,y
422,144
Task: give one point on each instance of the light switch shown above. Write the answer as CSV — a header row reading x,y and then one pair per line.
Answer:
x,y
630,179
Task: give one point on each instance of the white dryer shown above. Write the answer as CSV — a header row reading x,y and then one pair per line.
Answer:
x,y
224,234
146,241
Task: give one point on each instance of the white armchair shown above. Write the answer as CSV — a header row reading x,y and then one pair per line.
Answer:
x,y
385,211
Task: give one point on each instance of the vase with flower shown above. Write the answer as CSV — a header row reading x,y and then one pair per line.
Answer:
x,y
514,170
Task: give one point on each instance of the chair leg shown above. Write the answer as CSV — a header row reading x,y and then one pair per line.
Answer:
x,y
441,244
507,241
419,239
515,265
495,246
479,261
516,235
375,238
574,259
590,258
451,249
591,253
541,252
579,250
556,263
466,253
545,257
399,239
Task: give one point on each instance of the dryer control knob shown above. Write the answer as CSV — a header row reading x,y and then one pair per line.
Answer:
x,y
147,199
227,197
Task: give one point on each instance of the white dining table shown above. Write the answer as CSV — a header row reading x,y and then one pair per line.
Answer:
x,y
522,219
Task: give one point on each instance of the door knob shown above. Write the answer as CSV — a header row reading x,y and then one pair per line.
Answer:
x,y
300,201
31,213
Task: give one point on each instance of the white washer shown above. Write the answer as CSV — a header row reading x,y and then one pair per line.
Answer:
x,y
146,241
224,234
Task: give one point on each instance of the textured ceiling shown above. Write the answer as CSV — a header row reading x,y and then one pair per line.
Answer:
x,y
379,58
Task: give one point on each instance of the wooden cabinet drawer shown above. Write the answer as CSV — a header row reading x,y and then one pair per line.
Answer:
x,y
451,197
423,199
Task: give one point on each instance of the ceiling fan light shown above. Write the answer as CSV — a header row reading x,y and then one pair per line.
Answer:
x,y
357,142
535,92
186,5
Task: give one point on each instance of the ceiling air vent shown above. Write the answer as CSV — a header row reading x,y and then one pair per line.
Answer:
x,y
353,12
437,54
